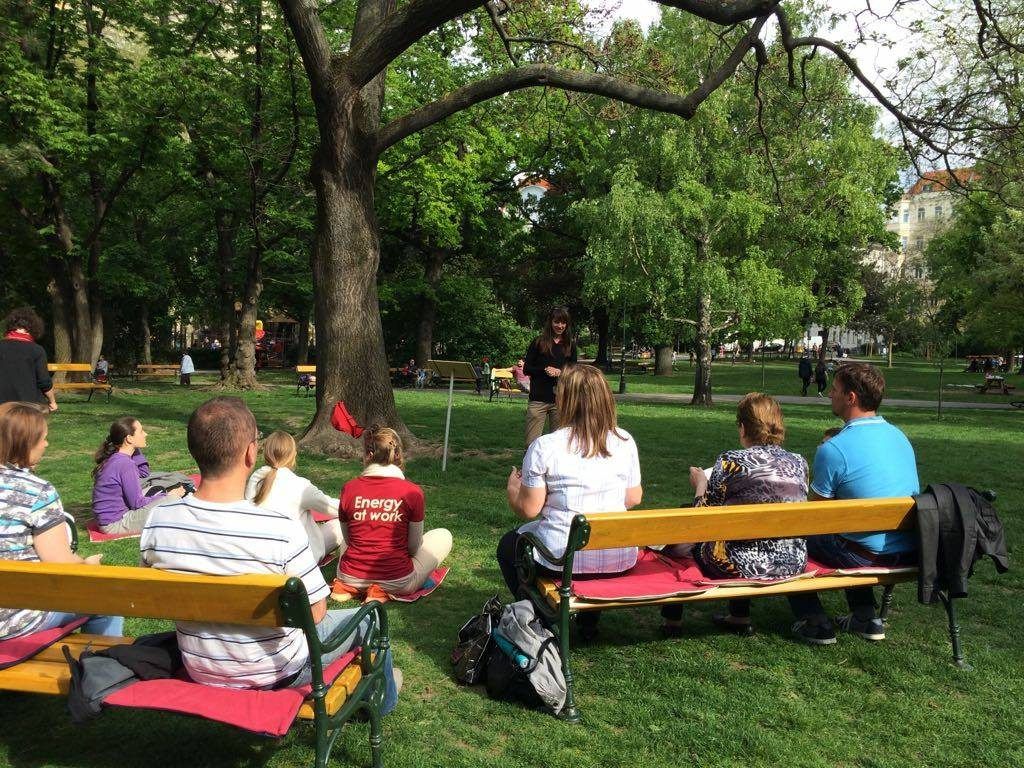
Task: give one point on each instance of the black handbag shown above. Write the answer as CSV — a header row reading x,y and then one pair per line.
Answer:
x,y
469,657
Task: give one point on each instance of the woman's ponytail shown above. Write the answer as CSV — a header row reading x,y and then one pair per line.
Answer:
x,y
279,450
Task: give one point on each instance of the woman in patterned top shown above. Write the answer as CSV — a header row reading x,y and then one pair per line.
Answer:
x,y
758,473
32,519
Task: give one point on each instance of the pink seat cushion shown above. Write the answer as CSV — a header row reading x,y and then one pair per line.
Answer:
x,y
96,535
657,576
17,649
270,713
437,576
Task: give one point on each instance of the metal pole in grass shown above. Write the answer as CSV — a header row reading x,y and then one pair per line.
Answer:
x,y
941,361
762,365
448,421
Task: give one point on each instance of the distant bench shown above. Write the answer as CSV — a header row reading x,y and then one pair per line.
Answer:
x,y
79,386
155,369
263,600
557,600
305,376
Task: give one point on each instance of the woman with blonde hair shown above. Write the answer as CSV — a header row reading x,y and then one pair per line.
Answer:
x,y
587,465
382,515
760,472
34,519
276,486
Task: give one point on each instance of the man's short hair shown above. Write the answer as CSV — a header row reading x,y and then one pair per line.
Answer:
x,y
219,431
864,380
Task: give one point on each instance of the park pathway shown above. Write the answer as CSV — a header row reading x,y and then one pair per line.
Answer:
x,y
684,398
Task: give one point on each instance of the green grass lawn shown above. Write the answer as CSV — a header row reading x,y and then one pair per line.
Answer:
x,y
706,699
906,380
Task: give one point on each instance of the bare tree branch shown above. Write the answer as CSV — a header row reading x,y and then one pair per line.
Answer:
x,y
569,80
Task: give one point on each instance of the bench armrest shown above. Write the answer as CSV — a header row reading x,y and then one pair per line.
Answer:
x,y
298,613
579,533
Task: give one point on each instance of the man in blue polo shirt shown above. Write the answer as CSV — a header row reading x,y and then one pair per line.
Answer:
x,y
868,459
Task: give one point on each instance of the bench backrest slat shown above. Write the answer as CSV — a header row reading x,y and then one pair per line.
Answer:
x,y
142,592
748,521
69,367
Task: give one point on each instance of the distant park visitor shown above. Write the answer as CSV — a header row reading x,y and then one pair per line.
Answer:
x,y
548,354
23,362
187,369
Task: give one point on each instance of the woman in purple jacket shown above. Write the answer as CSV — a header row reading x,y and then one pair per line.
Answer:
x,y
118,501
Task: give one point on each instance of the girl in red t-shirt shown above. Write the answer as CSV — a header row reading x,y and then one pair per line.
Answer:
x,y
382,514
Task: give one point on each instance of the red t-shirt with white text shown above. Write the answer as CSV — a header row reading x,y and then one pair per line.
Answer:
x,y
377,511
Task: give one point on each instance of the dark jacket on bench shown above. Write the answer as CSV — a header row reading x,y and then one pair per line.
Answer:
x,y
956,525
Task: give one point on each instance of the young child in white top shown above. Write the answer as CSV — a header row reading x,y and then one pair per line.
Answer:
x,y
277,487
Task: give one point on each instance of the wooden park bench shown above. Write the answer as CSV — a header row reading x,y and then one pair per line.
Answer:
x,y
300,382
79,386
557,601
994,384
263,600
503,382
150,370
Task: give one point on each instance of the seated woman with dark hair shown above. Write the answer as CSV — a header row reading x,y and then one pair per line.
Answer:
x,y
34,520
119,502
760,472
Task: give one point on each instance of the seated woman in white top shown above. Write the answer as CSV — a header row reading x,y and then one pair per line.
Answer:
x,y
277,487
588,465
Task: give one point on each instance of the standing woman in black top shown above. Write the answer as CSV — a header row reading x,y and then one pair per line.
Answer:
x,y
25,376
548,354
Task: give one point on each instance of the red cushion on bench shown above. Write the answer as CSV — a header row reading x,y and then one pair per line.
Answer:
x,y
266,712
17,649
657,576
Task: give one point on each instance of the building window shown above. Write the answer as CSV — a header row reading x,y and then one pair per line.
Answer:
x,y
919,243
903,241
918,272
928,187
920,214
938,211
906,215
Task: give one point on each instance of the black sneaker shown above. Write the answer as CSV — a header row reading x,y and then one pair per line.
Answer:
x,y
869,629
815,634
726,622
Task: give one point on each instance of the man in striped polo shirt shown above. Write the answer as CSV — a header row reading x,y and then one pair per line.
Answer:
x,y
217,532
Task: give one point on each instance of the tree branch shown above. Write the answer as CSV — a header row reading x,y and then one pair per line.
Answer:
x,y
569,80
311,41
413,21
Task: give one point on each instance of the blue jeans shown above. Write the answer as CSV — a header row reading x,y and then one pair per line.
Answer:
x,y
332,621
112,626
839,552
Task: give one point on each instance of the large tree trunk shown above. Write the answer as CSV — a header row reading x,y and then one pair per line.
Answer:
x,y
244,373
662,359
823,349
60,327
428,307
147,335
302,356
702,374
602,322
351,363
